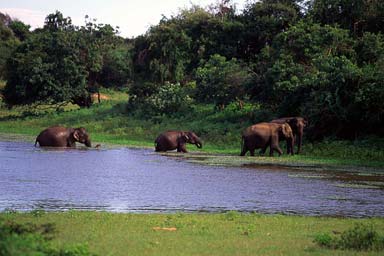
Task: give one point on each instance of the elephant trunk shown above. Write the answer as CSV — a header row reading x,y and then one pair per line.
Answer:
x,y
88,143
199,144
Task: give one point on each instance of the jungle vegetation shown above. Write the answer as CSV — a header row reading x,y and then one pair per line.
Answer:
x,y
321,59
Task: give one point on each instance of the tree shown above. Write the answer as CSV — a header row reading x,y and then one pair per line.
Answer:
x,y
59,63
8,42
263,21
20,29
358,16
117,66
322,73
221,81
45,69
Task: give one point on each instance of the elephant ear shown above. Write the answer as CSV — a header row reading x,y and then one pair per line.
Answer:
x,y
76,135
293,122
185,137
286,130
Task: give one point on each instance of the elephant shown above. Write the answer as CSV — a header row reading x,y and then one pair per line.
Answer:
x,y
262,135
297,125
171,140
58,136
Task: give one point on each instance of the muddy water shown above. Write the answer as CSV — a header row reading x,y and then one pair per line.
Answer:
x,y
140,180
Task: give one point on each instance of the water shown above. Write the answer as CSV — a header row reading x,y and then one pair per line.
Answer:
x,y
140,180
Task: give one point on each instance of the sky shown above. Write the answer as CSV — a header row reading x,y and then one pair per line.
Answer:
x,y
134,17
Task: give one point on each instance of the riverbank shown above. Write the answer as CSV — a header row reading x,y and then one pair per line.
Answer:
x,y
230,233
110,123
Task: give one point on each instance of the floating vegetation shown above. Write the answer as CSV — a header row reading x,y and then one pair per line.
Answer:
x,y
308,176
355,185
337,198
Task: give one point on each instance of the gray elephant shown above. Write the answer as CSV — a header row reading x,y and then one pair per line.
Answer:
x,y
171,140
58,136
297,125
262,135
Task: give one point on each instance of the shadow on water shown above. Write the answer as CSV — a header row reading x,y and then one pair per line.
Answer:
x,y
140,180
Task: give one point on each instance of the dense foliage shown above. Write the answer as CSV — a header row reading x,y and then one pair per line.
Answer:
x,y
63,63
322,59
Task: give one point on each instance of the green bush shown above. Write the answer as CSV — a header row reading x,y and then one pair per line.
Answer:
x,y
221,81
31,239
167,99
170,98
360,238
324,240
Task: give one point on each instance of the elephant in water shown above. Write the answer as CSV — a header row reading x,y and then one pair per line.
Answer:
x,y
262,135
171,140
297,125
58,136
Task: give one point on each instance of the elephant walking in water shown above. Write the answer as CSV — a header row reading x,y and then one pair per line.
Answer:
x,y
262,135
58,136
297,125
172,140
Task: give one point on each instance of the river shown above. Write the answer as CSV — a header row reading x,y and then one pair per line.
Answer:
x,y
140,180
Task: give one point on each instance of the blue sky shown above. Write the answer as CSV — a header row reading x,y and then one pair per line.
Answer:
x,y
132,16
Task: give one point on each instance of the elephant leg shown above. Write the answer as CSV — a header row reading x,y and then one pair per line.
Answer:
x,y
243,152
275,146
278,149
182,148
262,151
299,142
289,149
252,151
271,151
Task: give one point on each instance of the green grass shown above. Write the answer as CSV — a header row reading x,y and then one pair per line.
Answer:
x,y
230,233
111,122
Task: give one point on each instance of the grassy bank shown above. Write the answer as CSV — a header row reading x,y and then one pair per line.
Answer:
x,y
111,122
229,233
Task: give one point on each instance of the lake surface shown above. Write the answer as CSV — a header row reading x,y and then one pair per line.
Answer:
x,y
140,180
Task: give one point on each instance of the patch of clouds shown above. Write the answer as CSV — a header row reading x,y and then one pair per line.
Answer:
x,y
30,17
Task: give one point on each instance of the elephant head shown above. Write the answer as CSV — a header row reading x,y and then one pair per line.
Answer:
x,y
297,123
286,131
81,135
191,137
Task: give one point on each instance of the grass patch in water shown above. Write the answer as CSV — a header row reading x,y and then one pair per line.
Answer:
x,y
230,233
307,176
354,185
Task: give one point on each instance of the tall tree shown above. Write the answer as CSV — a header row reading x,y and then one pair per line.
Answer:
x,y
358,16
264,20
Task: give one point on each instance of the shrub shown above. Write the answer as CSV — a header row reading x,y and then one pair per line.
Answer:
x,y
31,239
360,238
167,100
221,81
324,240
170,98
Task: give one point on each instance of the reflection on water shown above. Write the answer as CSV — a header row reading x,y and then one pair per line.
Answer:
x,y
140,180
